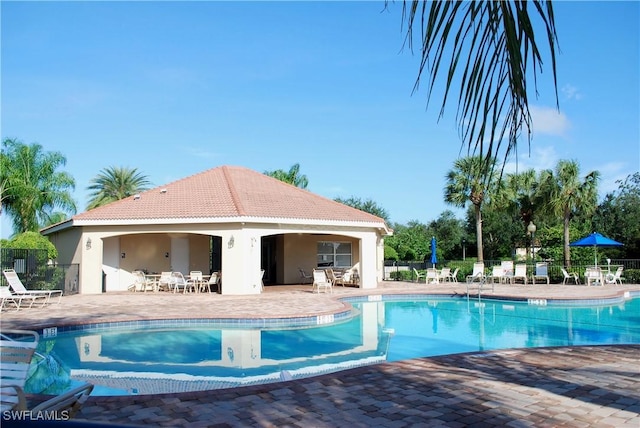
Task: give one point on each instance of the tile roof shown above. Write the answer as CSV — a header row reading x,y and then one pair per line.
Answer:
x,y
226,192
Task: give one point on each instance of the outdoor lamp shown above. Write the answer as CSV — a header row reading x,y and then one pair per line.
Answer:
x,y
531,228
88,243
231,242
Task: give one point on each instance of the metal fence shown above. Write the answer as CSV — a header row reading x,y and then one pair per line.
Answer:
x,y
404,269
37,272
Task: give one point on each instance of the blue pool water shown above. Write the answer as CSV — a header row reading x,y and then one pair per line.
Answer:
x,y
163,359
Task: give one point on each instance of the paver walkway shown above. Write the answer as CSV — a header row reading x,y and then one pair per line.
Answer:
x,y
596,386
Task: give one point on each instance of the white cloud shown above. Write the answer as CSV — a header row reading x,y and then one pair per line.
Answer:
x,y
570,92
609,173
548,121
541,158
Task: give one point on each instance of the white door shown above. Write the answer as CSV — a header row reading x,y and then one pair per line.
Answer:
x,y
180,255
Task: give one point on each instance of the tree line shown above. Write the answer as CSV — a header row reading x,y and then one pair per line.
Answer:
x,y
499,208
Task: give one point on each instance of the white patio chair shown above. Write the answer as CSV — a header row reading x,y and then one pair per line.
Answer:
x,y
593,275
432,276
320,281
617,277
569,276
445,275
19,289
178,283
497,275
214,279
164,282
142,283
454,275
419,275
305,277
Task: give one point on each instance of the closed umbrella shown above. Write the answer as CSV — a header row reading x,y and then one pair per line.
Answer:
x,y
595,240
434,258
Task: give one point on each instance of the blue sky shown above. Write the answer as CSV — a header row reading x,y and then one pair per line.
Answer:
x,y
176,88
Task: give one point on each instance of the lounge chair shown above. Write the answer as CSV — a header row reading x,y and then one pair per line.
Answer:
x,y
520,273
8,300
478,273
16,350
569,276
350,277
320,281
507,271
66,404
305,277
19,289
419,275
542,272
497,275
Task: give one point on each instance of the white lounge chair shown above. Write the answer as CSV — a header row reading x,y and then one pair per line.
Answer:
x,y
478,273
19,289
569,276
454,275
320,281
16,351
497,275
520,273
542,272
8,300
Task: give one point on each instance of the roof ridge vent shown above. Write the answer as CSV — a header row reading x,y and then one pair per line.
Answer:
x,y
163,190
136,196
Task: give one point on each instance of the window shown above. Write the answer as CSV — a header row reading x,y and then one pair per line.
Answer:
x,y
336,254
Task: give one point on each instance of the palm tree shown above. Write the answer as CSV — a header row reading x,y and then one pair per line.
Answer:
x,y
490,46
292,177
31,188
566,195
115,183
471,180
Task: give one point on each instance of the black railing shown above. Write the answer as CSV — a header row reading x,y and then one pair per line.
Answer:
x,y
37,272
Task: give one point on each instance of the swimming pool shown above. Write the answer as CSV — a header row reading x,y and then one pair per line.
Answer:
x,y
177,358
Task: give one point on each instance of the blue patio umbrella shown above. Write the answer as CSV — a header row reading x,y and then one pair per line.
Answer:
x,y
595,240
434,258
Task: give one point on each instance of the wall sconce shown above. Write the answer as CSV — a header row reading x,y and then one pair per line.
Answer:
x,y
231,242
123,255
166,255
253,241
88,243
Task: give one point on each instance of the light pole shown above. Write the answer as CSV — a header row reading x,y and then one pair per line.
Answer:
x,y
464,249
531,229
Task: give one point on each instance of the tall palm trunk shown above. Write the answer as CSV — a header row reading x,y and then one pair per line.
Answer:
x,y
479,232
567,254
